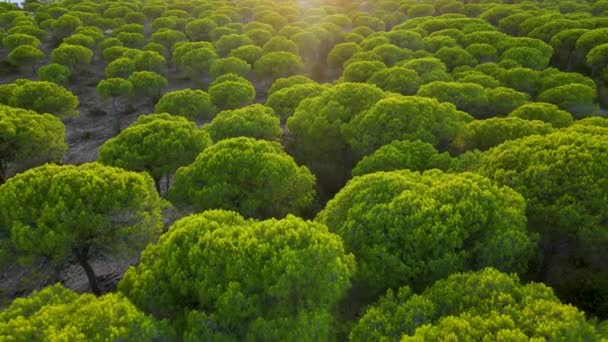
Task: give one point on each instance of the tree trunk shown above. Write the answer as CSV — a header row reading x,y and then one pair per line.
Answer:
x,y
157,185
168,180
82,255
2,172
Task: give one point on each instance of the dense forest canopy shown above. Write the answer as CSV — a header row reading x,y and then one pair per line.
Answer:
x,y
303,170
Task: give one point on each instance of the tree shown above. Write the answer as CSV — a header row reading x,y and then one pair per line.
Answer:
x,y
147,83
196,63
561,176
229,65
501,101
421,10
65,25
413,228
255,121
564,44
116,89
229,42
485,134
483,305
28,138
150,61
45,97
429,69
26,56
575,98
279,64
285,278
454,57
248,53
167,37
58,313
80,39
469,97
405,118
522,79
254,177
231,94
285,100
406,39
279,43
72,56
527,57
120,68
597,58
545,112
484,53
198,30
403,154
340,53
286,82
132,40
361,71
551,78
194,104
75,212
55,73
158,144
318,125
397,80
391,54
14,40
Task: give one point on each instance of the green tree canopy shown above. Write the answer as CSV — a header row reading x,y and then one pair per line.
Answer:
x,y
403,154
44,97
546,112
485,134
361,71
562,177
278,64
428,68
285,100
12,41
120,68
262,280
26,56
157,144
286,82
397,80
501,101
56,313
340,53
55,73
196,62
483,305
148,84
319,125
575,98
231,94
254,177
469,97
72,56
116,89
405,227
194,104
229,65
60,213
28,138
406,118
255,121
